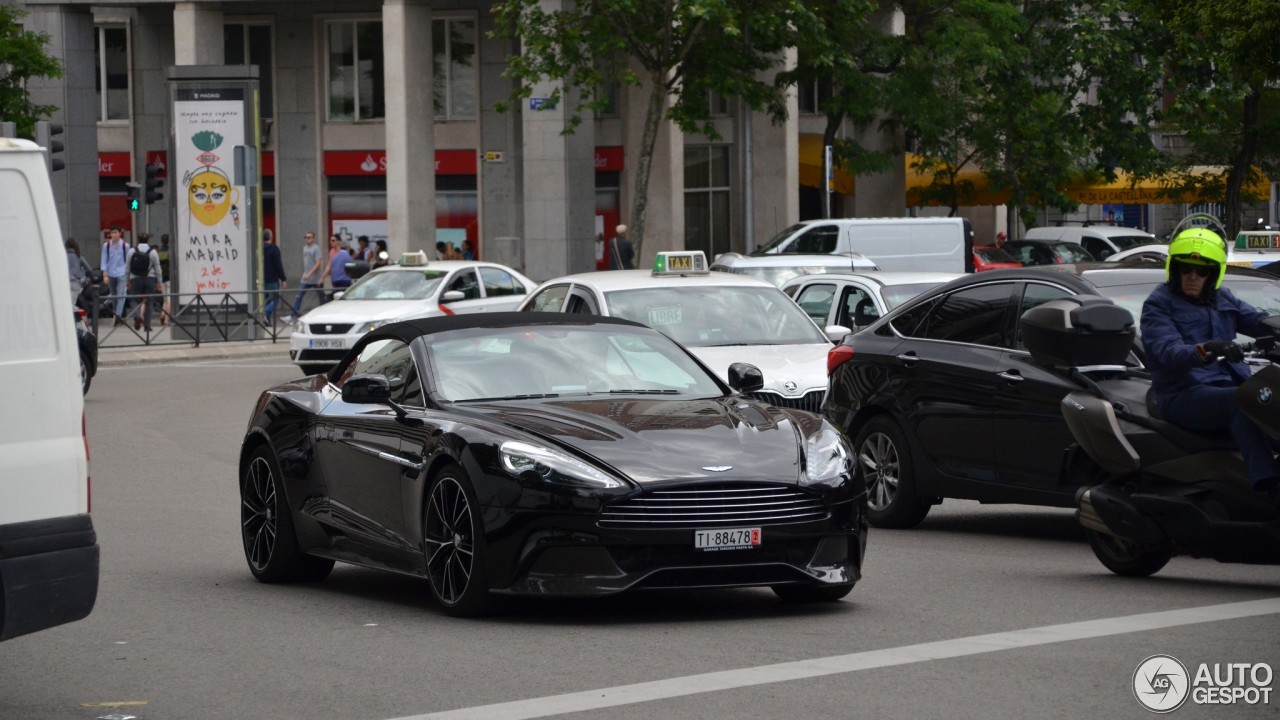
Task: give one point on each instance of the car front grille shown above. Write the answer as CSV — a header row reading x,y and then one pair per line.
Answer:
x,y
811,401
719,505
329,328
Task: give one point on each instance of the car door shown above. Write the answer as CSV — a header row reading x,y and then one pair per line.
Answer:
x,y
466,282
581,302
857,306
1027,418
817,299
548,299
358,450
502,291
949,377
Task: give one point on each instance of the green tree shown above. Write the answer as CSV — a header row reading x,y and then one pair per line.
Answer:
x,y
1222,78
685,49
22,57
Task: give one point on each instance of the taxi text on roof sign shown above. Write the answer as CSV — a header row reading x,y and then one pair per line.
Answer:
x,y
684,262
413,258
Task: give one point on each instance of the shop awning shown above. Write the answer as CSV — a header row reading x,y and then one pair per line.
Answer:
x,y
811,166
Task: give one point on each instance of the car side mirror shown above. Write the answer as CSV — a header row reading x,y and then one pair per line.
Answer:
x,y
366,389
836,333
453,296
745,378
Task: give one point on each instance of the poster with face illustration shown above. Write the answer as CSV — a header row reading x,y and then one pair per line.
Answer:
x,y
212,224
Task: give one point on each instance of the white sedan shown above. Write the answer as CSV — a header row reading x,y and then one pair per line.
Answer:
x,y
1159,253
414,288
722,318
854,300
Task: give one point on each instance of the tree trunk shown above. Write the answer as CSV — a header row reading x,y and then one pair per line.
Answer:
x,y
652,119
1242,163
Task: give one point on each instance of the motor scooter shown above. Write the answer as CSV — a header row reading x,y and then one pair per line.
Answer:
x,y
1158,490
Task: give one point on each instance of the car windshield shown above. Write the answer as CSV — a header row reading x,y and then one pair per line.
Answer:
x,y
396,285
778,239
1261,293
544,361
708,316
895,295
779,276
1125,242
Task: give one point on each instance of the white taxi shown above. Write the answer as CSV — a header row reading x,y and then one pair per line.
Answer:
x,y
722,318
412,288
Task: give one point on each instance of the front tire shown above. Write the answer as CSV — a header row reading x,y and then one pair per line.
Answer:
x,y
85,376
266,527
885,463
1128,558
454,545
811,593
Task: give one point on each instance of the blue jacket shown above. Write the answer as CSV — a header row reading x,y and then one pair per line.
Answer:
x,y
272,264
1172,327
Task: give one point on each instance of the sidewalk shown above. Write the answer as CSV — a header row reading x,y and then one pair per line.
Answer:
x,y
138,355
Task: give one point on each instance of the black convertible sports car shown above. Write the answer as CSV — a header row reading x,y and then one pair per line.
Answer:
x,y
532,454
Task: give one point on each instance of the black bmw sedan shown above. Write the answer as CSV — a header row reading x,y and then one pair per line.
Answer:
x,y
529,454
941,399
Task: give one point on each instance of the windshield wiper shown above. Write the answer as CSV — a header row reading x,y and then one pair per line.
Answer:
x,y
533,396
644,392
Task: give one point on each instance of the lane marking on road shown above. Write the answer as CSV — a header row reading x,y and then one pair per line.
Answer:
x,y
818,667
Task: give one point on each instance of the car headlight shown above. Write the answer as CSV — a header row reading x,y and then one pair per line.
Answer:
x,y
299,326
368,327
554,467
828,457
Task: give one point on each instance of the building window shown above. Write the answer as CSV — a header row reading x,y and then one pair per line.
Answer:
x,y
706,198
250,44
717,104
812,96
453,48
111,58
355,71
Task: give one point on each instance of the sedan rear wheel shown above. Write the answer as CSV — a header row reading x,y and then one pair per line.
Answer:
x,y
885,462
270,544
453,545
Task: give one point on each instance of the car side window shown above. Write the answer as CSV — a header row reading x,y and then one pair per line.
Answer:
x,y
389,357
465,281
1035,294
816,301
857,309
908,321
550,300
499,283
1097,248
581,303
820,239
976,315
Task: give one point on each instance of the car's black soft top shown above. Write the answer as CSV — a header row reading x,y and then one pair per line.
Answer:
x,y
407,330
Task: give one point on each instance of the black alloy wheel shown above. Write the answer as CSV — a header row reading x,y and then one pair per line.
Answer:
x,y
811,593
1126,557
884,460
270,544
453,545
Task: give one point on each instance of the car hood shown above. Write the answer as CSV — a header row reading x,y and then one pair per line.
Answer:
x,y
803,365
358,311
664,441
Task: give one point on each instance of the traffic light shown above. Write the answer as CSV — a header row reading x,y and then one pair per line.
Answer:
x,y
45,132
154,183
135,196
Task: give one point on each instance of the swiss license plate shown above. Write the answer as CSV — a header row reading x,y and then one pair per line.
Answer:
x,y
328,344
729,539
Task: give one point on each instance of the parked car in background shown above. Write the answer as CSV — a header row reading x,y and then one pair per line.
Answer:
x,y
1047,252
1100,240
412,288
990,257
942,400
778,269
1256,259
855,300
923,244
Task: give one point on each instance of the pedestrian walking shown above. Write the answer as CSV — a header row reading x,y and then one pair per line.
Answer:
x,y
145,279
380,255
80,270
336,270
273,277
312,277
114,255
163,253
622,255
363,251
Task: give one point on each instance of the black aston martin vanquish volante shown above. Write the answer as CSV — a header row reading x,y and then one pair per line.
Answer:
x,y
544,455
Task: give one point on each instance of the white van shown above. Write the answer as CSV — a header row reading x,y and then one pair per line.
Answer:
x,y
48,549
1101,241
920,244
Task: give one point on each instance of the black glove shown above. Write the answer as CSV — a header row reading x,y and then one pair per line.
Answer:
x,y
1215,349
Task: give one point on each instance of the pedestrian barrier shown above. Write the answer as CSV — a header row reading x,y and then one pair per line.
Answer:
x,y
183,318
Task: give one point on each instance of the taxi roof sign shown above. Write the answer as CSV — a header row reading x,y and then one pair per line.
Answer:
x,y
681,262
412,259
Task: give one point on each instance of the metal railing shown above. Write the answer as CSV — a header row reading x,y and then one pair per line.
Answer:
x,y
185,318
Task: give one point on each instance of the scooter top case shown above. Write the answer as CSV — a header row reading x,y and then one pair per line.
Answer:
x,y
1259,400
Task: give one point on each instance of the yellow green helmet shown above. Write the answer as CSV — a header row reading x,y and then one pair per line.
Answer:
x,y
1198,246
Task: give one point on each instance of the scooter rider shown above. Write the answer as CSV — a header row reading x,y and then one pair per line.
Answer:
x,y
1188,324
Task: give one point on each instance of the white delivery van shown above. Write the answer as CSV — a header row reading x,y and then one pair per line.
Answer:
x,y
920,244
48,549
1101,241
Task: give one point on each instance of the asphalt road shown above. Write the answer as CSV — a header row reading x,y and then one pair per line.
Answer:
x,y
182,631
